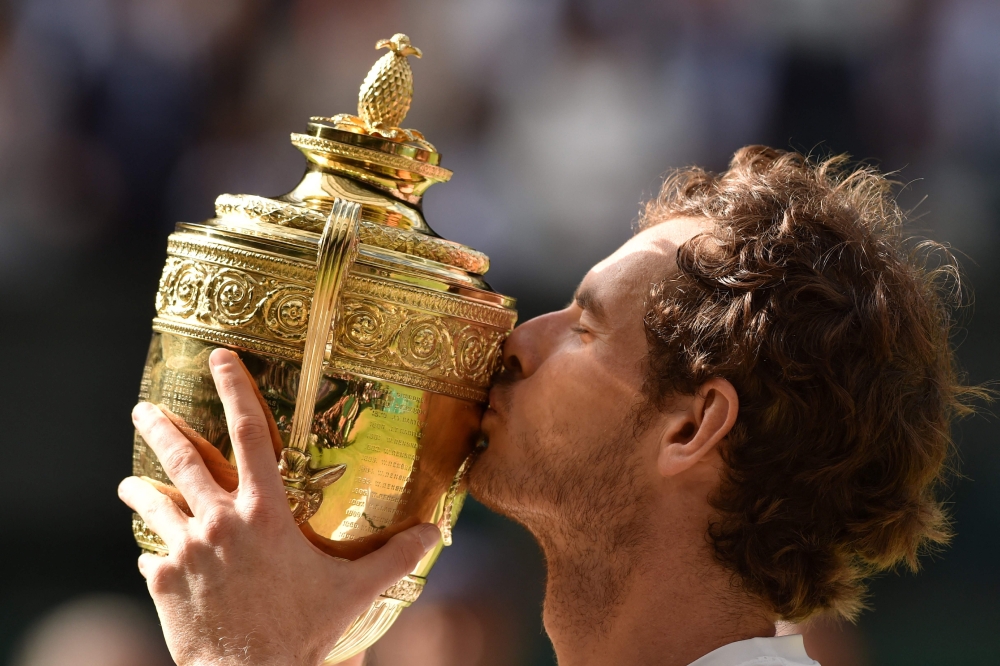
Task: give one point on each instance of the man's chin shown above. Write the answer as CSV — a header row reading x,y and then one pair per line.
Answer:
x,y
486,481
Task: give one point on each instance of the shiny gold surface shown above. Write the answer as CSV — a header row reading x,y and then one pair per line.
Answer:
x,y
391,327
403,177
371,147
403,447
373,340
378,234
338,246
385,96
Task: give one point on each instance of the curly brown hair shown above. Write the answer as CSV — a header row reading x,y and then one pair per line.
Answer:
x,y
835,332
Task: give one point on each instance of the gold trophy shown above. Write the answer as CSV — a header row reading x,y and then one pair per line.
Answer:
x,y
371,338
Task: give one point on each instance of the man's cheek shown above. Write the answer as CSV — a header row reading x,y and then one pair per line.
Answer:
x,y
532,409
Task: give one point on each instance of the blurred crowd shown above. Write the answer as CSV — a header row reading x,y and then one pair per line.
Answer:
x,y
558,117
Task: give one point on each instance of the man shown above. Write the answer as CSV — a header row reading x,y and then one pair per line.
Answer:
x,y
743,413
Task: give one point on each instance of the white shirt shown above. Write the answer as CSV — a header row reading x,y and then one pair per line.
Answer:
x,y
777,651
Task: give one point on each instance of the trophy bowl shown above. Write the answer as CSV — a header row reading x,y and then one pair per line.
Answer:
x,y
371,339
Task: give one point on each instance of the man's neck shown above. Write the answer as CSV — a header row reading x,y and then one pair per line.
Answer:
x,y
661,602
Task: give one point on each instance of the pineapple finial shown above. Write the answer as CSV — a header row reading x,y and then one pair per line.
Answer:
x,y
385,96
399,43
388,89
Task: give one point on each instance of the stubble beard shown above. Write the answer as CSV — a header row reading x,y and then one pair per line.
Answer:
x,y
588,512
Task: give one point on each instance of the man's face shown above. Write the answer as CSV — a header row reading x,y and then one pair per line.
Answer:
x,y
563,451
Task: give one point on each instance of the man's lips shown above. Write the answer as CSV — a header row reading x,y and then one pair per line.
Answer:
x,y
499,395
492,410
498,398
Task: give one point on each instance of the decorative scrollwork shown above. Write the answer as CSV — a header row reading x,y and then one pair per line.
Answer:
x,y
286,312
400,332
441,303
474,357
406,590
147,539
229,297
423,344
411,339
390,238
180,287
365,327
337,149
196,292
304,487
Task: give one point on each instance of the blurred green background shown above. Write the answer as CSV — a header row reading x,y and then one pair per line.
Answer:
x,y
119,117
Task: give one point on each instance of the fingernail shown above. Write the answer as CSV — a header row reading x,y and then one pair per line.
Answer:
x,y
429,535
220,356
140,410
123,483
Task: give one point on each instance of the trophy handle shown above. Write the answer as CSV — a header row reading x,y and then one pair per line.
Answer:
x,y
338,248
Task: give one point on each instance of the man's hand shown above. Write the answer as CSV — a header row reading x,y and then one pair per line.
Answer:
x,y
242,584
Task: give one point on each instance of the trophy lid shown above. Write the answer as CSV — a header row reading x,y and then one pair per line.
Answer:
x,y
372,147
372,161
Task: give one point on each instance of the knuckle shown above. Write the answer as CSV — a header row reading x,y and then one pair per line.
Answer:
x,y
404,555
180,551
159,428
226,377
216,527
187,551
249,429
178,457
153,509
160,579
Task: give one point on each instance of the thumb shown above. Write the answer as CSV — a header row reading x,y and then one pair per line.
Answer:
x,y
399,556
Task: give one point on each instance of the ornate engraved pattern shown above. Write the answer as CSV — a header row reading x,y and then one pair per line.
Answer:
x,y
147,538
369,233
200,248
227,298
385,96
230,297
386,330
406,590
415,379
426,247
286,313
183,246
395,336
228,338
337,149
270,211
387,91
180,288
442,303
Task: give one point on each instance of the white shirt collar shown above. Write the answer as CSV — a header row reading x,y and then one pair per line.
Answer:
x,y
777,651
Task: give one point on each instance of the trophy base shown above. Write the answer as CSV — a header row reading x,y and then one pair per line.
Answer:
x,y
367,629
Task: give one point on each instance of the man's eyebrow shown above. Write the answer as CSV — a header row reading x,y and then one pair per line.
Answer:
x,y
587,299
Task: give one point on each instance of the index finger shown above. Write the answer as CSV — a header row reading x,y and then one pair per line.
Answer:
x,y
271,425
248,427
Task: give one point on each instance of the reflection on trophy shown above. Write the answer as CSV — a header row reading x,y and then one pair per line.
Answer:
x,y
371,338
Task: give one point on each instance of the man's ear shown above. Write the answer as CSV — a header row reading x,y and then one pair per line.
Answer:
x,y
697,425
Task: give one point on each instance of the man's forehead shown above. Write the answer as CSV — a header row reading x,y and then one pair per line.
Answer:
x,y
648,256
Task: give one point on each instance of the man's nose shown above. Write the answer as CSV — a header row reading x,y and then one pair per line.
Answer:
x,y
529,345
